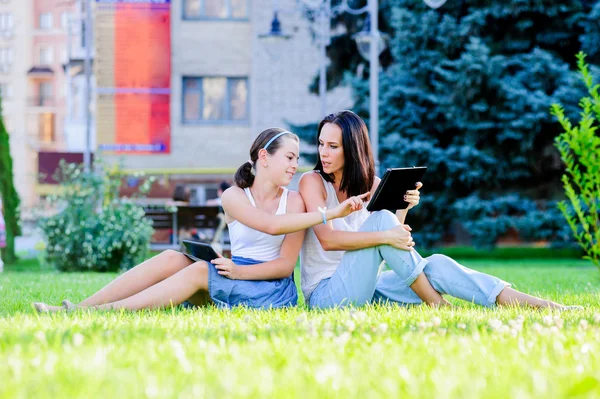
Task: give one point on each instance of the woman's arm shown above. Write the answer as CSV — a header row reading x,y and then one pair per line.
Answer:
x,y
275,269
314,196
238,207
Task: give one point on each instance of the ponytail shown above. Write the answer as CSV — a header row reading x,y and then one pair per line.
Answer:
x,y
244,176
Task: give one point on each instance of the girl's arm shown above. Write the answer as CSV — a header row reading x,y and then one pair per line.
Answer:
x,y
279,268
314,196
238,207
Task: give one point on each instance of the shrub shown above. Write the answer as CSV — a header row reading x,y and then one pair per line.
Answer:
x,y
94,229
579,148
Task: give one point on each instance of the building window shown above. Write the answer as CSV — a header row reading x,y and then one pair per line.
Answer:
x,y
46,132
44,94
46,55
6,22
212,99
64,20
6,56
6,90
215,9
46,20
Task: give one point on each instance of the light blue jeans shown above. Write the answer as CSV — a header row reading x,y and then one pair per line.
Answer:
x,y
358,280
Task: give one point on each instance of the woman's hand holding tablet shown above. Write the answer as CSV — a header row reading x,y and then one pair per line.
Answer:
x,y
393,188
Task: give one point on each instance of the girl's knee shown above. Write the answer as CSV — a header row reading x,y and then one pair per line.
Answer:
x,y
199,267
198,272
174,260
171,254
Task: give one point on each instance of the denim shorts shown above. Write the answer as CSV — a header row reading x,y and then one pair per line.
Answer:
x,y
261,294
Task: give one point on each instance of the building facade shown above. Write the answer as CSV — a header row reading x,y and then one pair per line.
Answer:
x,y
33,84
227,85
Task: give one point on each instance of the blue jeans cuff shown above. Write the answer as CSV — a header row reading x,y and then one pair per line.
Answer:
x,y
415,273
491,299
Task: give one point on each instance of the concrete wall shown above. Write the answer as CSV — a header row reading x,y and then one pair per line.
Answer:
x,y
278,84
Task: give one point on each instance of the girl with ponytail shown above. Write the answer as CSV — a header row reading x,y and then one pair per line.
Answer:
x,y
266,226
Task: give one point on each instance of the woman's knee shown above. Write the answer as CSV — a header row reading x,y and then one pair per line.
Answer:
x,y
380,221
439,264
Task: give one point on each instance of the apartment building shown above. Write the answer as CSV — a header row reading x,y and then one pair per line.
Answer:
x,y
15,59
227,85
206,92
33,52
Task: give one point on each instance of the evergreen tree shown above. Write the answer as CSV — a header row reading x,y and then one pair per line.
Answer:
x,y
468,95
10,198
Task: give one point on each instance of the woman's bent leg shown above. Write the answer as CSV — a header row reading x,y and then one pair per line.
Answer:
x,y
511,297
169,292
355,279
449,277
144,275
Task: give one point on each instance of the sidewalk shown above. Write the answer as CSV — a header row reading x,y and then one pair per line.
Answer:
x,y
25,246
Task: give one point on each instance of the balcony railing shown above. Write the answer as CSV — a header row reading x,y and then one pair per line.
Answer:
x,y
41,101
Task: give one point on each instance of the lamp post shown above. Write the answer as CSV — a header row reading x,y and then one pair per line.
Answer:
x,y
364,40
323,12
87,157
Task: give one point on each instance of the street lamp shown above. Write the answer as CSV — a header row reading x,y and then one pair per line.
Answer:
x,y
363,40
324,12
275,34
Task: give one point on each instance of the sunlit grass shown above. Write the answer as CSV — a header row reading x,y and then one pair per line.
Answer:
x,y
383,351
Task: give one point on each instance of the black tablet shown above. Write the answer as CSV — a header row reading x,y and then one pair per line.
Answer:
x,y
393,186
198,251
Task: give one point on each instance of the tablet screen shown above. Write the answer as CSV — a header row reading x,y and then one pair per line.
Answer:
x,y
393,186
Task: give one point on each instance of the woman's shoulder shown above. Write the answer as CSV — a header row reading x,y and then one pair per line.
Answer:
x,y
295,202
311,177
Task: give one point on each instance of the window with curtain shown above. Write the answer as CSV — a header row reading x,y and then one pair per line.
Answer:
x,y
211,99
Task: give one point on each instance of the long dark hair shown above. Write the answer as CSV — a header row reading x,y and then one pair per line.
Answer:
x,y
359,167
244,176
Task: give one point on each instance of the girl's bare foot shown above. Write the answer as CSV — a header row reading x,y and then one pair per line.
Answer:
x,y
41,307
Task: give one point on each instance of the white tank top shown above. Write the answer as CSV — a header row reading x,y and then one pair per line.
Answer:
x,y
253,244
316,263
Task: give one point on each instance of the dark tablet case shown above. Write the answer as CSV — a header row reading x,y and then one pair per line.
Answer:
x,y
393,186
197,251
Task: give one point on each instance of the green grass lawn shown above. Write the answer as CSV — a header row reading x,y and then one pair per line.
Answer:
x,y
383,351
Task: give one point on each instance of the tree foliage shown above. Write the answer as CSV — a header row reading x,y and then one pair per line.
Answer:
x,y
579,148
8,194
467,94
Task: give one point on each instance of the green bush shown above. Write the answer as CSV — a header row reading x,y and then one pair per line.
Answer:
x,y
579,148
94,230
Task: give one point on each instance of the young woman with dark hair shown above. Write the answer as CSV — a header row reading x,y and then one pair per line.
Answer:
x,y
266,226
340,259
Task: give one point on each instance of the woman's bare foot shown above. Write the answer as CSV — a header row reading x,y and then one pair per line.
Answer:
x,y
569,308
441,304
